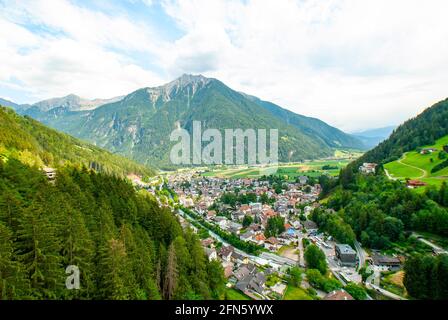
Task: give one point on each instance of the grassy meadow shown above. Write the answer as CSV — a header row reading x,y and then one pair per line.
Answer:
x,y
414,165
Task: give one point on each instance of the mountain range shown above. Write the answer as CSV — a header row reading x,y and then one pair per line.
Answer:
x,y
139,124
372,137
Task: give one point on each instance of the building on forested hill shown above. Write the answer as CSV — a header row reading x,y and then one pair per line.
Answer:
x,y
367,168
50,173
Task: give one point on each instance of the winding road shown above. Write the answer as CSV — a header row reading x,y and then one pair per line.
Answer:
x,y
411,166
385,292
436,248
400,161
361,254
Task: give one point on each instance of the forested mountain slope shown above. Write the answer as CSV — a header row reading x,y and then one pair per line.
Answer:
x,y
35,144
424,129
124,245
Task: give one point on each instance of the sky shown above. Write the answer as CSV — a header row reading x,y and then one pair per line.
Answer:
x,y
355,64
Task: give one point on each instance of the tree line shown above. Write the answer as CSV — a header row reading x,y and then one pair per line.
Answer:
x,y
124,244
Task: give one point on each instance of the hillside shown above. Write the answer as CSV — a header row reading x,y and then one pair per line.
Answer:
x,y
422,130
138,126
329,135
415,165
123,244
34,144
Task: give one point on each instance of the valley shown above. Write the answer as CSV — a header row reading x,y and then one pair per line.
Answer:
x,y
138,125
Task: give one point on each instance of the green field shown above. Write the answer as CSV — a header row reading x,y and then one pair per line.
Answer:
x,y
233,294
291,170
294,293
414,165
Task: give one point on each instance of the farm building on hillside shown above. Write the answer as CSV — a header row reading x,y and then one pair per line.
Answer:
x,y
427,150
415,183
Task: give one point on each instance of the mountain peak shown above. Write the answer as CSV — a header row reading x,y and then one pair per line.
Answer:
x,y
189,79
72,102
191,83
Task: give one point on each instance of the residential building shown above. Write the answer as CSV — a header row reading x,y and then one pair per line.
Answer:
x,y
346,255
226,253
252,282
387,262
211,254
338,295
303,180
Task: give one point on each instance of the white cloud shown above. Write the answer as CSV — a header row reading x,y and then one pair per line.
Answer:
x,y
85,52
354,64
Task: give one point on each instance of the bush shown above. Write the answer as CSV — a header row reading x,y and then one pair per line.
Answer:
x,y
356,291
440,166
318,281
295,276
315,259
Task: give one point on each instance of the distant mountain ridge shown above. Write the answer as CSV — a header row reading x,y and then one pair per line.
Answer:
x,y
70,102
139,125
329,135
372,137
383,132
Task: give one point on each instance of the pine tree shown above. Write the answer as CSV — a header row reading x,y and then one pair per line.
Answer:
x,y
115,271
216,278
78,249
12,282
143,265
39,249
172,273
9,208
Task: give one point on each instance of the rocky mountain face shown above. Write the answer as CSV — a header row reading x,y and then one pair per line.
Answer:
x,y
139,124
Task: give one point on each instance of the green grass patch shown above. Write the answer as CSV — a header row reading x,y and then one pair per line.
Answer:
x,y
415,165
233,294
291,170
294,293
